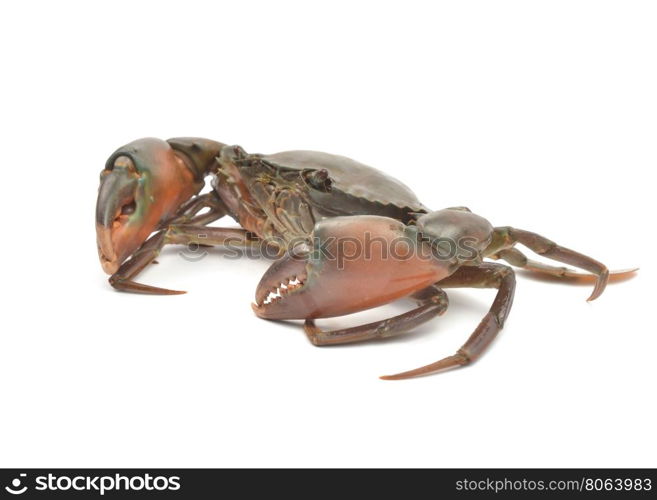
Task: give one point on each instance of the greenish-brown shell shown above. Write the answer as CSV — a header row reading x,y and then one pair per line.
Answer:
x,y
354,188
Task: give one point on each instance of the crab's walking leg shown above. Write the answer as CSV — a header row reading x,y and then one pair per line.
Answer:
x,y
183,234
147,253
487,275
516,258
432,302
188,212
507,237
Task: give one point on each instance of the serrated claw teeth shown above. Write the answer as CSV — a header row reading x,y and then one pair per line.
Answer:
x,y
285,287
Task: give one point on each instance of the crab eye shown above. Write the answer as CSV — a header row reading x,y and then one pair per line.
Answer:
x,y
318,179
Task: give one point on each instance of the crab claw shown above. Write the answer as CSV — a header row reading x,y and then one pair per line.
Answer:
x,y
355,263
141,187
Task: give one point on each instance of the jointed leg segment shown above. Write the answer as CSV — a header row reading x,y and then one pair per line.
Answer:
x,y
188,213
487,275
506,237
184,234
432,302
516,258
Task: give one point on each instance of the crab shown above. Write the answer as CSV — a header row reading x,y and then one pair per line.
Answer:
x,y
346,237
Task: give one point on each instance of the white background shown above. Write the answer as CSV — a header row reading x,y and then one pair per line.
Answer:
x,y
540,115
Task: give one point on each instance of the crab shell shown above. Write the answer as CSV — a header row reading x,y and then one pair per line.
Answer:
x,y
333,185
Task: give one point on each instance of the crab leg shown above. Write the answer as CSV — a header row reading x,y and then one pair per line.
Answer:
x,y
122,279
432,302
487,275
188,212
183,234
507,237
516,258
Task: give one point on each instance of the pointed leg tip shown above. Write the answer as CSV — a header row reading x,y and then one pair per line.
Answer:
x,y
159,291
600,285
134,287
448,363
154,290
